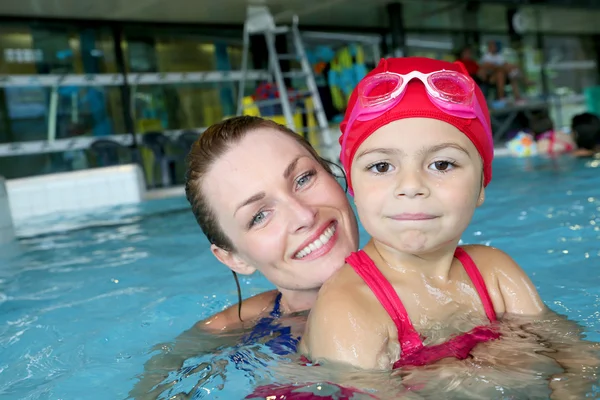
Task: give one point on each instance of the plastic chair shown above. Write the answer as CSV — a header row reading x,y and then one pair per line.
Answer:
x,y
158,143
107,152
186,140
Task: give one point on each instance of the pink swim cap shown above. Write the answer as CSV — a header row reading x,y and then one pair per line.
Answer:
x,y
416,103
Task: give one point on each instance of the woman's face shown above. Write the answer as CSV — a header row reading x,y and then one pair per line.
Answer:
x,y
284,214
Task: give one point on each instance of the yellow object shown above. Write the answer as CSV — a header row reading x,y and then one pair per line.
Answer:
x,y
311,133
337,97
147,125
359,57
144,126
250,108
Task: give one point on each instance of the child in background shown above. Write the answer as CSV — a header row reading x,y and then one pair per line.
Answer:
x,y
585,128
583,141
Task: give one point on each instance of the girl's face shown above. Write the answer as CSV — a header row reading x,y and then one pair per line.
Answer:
x,y
417,182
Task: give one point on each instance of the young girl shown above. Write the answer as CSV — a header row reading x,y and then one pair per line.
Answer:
x,y
417,149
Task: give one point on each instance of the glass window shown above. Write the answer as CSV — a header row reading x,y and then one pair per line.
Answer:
x,y
32,111
433,14
438,46
181,106
17,53
568,20
532,66
570,63
570,68
492,18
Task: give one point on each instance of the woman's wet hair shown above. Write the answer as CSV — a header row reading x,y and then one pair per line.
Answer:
x,y
210,146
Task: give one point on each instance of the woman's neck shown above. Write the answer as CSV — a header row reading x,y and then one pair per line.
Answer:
x,y
297,300
434,265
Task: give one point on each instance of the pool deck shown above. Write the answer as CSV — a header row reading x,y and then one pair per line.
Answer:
x,y
163,193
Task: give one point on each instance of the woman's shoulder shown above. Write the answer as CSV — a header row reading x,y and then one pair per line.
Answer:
x,y
252,308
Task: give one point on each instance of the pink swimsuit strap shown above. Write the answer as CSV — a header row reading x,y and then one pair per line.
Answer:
x,y
410,340
551,136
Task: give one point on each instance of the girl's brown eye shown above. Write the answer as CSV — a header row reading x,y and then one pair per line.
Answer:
x,y
441,165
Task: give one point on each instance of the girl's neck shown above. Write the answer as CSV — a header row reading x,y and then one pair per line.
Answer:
x,y
297,300
434,265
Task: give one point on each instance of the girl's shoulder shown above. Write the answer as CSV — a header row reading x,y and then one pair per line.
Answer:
x,y
510,289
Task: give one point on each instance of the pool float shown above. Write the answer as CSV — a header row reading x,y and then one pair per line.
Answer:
x,y
522,145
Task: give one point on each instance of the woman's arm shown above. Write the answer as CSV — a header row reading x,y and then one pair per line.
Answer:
x,y
229,319
202,338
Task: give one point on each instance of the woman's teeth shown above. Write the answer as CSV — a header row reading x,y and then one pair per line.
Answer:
x,y
317,244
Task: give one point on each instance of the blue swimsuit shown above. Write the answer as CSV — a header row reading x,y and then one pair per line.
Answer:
x,y
280,341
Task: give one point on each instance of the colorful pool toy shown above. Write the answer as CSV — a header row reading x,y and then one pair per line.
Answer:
x,y
522,145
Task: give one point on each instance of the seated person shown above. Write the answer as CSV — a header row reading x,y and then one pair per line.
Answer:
x,y
585,128
496,71
466,57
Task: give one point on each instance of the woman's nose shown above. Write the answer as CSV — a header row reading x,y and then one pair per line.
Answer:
x,y
302,215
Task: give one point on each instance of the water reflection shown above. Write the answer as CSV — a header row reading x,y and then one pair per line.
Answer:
x,y
533,358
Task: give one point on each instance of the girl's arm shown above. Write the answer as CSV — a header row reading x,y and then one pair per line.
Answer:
x,y
341,330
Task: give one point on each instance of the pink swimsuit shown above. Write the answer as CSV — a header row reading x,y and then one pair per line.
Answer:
x,y
413,351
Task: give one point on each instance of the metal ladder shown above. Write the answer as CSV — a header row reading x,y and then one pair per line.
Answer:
x,y
260,21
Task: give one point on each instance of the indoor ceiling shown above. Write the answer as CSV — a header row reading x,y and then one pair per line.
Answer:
x,y
191,11
344,13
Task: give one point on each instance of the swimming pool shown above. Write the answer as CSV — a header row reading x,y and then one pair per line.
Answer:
x,y
83,298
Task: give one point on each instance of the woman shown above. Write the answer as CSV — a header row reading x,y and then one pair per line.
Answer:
x,y
266,201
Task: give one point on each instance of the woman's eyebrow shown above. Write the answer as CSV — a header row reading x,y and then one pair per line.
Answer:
x,y
252,199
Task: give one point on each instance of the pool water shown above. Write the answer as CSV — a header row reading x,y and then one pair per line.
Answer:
x,y
85,298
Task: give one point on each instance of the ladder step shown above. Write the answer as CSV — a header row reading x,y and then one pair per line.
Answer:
x,y
258,103
288,56
295,101
294,74
292,95
279,30
299,93
305,129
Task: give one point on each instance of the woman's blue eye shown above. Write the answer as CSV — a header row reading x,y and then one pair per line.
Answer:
x,y
305,178
257,218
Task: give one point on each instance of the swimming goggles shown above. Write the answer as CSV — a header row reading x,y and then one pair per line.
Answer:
x,y
450,91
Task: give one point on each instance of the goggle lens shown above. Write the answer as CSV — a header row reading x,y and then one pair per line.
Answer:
x,y
451,87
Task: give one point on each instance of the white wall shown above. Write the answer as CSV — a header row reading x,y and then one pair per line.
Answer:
x,y
6,226
74,191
